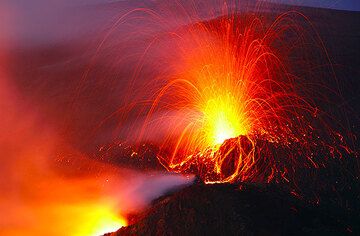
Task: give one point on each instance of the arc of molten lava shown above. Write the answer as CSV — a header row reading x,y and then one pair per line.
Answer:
x,y
226,100
230,84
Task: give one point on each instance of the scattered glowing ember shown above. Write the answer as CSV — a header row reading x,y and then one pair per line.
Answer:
x,y
230,84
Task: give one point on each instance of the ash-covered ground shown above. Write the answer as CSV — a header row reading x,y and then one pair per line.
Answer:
x,y
321,201
244,209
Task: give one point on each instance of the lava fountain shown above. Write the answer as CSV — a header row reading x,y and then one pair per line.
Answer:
x,y
229,93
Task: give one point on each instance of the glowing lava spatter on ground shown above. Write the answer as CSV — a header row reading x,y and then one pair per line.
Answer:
x,y
230,96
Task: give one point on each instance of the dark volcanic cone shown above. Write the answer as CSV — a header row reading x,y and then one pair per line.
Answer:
x,y
223,209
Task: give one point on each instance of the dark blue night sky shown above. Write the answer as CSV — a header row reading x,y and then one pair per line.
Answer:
x,y
351,5
44,21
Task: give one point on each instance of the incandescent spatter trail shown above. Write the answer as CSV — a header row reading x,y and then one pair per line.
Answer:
x,y
233,97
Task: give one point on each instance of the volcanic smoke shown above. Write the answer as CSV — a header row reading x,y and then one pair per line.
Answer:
x,y
226,92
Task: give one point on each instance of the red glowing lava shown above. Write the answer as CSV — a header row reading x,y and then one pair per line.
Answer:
x,y
235,76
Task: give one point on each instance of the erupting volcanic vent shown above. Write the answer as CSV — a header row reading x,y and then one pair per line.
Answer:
x,y
229,93
191,117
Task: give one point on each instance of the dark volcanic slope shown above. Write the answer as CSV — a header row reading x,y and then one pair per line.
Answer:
x,y
222,209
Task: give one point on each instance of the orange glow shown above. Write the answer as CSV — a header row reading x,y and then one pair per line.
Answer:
x,y
222,117
229,82
221,123
75,207
39,200
93,219
229,87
